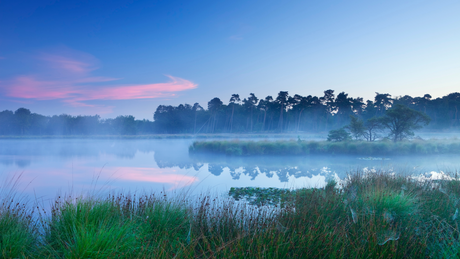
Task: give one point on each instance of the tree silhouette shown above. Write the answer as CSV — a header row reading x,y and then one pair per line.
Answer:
x,y
328,101
281,100
214,107
285,113
23,119
233,99
453,103
196,107
357,106
344,107
264,105
356,127
252,101
373,125
382,102
402,120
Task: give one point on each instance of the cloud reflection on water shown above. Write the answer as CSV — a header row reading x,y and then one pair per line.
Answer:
x,y
155,175
118,164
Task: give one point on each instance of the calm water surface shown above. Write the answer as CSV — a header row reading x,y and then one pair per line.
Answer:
x,y
49,167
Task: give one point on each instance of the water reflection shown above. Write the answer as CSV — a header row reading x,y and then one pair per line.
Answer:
x,y
165,164
156,175
20,162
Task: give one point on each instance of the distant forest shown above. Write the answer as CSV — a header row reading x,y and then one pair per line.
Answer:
x,y
282,113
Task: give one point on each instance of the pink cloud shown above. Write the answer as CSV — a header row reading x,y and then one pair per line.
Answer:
x,y
71,65
72,61
75,86
29,87
140,91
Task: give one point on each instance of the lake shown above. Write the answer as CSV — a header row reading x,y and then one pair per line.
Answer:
x,y
48,167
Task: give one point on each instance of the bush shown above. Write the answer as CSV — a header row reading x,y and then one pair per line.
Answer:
x,y
338,135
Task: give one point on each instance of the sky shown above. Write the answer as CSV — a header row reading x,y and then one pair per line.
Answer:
x,y
120,57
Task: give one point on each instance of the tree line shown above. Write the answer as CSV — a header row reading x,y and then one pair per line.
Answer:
x,y
281,113
24,122
285,113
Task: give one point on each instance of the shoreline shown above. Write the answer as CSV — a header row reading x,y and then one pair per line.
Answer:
x,y
304,147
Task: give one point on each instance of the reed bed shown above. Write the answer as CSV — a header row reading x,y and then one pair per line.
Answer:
x,y
367,215
303,147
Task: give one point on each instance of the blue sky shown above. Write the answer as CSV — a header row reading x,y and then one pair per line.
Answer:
x,y
127,57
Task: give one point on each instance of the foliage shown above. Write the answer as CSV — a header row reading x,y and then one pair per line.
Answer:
x,y
356,127
338,135
281,113
373,126
402,120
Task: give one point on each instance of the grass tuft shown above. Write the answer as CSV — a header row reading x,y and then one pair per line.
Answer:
x,y
367,215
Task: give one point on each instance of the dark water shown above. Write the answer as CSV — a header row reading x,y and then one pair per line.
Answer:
x,y
49,167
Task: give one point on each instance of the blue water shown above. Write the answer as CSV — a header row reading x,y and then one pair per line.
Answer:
x,y
59,166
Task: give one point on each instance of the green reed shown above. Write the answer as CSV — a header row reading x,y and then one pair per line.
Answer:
x,y
367,215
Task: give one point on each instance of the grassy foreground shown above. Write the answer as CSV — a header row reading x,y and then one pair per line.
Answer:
x,y
376,215
302,147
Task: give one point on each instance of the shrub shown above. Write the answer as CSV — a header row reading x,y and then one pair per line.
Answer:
x,y
338,135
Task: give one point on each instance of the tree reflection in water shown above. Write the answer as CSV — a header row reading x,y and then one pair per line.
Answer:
x,y
283,167
174,153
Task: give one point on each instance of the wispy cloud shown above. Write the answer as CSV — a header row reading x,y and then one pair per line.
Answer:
x,y
30,87
69,80
71,61
2,58
235,37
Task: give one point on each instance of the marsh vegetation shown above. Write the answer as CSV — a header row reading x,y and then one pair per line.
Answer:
x,y
369,214
303,147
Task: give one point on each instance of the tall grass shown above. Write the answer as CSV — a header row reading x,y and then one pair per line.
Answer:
x,y
121,226
302,147
18,230
367,215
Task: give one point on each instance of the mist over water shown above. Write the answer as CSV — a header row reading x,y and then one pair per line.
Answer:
x,y
52,166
